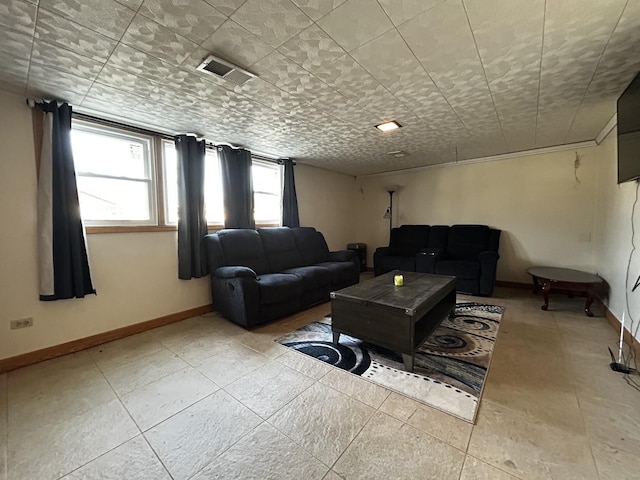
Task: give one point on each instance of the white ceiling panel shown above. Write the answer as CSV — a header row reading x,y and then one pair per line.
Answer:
x,y
18,15
151,37
107,17
73,36
193,19
399,11
236,44
356,22
316,9
140,64
441,38
574,40
273,21
464,78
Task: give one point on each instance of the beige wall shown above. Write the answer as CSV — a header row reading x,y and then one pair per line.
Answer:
x,y
325,201
613,241
135,274
546,216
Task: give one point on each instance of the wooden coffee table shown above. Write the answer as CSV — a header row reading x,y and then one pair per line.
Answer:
x,y
397,318
564,279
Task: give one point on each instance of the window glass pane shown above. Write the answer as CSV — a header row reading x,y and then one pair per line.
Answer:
x,y
101,153
105,154
266,178
267,208
213,189
267,188
109,199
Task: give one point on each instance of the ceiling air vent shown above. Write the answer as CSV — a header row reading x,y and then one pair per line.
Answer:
x,y
223,69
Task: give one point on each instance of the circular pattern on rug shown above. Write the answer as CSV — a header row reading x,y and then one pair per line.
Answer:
x,y
471,324
350,358
455,344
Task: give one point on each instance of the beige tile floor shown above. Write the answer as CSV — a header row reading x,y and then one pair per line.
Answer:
x,y
204,399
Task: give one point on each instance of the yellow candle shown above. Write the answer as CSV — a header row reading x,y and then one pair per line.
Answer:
x,y
398,280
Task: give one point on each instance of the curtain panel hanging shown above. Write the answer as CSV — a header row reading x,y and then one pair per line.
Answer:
x,y
237,187
62,251
290,216
192,221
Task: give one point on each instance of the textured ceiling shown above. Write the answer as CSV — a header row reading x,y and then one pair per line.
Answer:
x,y
466,79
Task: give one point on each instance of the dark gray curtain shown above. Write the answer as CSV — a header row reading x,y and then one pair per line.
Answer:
x,y
192,222
63,264
290,216
237,187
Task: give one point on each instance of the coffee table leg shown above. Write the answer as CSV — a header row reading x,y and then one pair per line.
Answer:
x,y
546,286
536,285
336,338
408,362
587,306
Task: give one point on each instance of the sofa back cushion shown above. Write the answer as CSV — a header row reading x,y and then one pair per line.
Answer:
x,y
408,240
438,236
280,247
311,245
243,247
467,241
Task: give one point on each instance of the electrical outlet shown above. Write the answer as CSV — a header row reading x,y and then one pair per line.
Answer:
x,y
21,323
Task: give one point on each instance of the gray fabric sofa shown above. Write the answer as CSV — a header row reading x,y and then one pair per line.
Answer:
x,y
467,252
260,275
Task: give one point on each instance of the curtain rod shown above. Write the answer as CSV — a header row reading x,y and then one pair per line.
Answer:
x,y
31,103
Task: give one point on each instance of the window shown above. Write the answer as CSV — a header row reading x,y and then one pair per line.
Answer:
x,y
115,175
212,185
129,179
267,192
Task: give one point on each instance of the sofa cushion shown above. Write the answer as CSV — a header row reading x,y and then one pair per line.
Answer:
x,y
458,268
280,248
311,245
278,287
408,239
243,247
467,241
313,277
342,273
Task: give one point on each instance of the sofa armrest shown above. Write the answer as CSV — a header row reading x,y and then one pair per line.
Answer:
x,y
488,259
427,258
488,265
346,256
342,256
378,255
235,272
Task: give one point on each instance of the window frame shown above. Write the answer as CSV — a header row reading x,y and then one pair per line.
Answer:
x,y
151,172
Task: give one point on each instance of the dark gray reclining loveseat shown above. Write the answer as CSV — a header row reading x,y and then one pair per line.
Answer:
x,y
260,275
467,252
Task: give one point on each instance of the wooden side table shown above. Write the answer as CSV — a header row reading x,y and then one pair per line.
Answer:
x,y
565,279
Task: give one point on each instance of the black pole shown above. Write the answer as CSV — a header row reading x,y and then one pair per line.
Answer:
x,y
390,212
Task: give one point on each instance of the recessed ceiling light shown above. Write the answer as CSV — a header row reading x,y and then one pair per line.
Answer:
x,y
388,126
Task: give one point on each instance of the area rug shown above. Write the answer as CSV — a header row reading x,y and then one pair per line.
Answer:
x,y
450,366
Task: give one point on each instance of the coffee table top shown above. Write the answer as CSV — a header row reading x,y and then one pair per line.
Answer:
x,y
556,274
419,290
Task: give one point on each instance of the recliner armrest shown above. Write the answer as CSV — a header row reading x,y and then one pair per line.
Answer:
x,y
235,272
382,250
488,257
342,256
